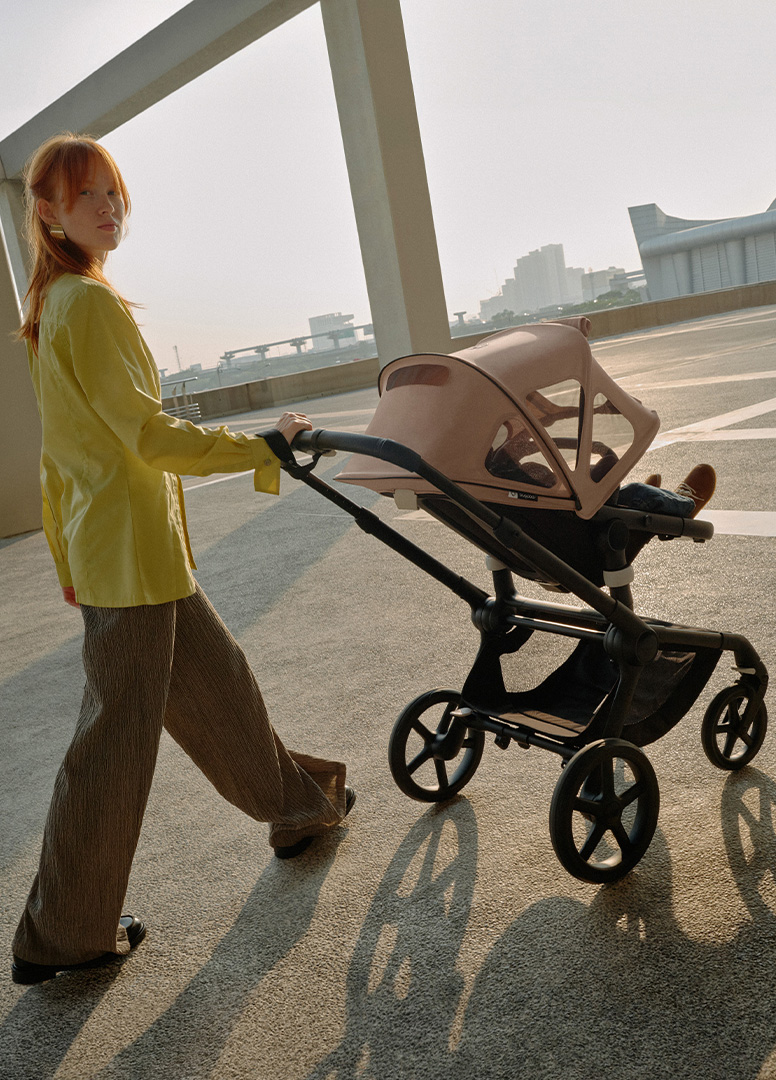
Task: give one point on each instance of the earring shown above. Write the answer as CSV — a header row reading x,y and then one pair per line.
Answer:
x,y
57,232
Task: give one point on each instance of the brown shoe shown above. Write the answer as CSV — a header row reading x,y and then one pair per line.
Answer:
x,y
290,851
654,479
698,485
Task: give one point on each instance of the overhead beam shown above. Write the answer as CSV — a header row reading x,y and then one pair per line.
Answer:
x,y
189,43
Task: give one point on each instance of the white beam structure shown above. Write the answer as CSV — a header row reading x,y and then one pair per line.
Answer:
x,y
384,155
12,225
192,41
20,501
376,104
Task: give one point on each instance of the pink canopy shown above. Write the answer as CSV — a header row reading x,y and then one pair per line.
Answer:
x,y
525,417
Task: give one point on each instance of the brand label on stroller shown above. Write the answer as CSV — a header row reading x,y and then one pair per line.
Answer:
x,y
529,495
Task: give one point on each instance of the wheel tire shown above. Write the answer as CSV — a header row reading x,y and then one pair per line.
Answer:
x,y
724,722
601,823
442,748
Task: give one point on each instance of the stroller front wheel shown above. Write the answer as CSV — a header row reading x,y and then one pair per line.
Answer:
x,y
729,741
432,756
604,810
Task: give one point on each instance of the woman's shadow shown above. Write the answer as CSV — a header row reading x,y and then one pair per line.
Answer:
x,y
190,1035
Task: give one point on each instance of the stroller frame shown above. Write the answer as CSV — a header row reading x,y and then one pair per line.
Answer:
x,y
605,805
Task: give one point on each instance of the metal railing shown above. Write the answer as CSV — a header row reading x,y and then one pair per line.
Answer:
x,y
183,408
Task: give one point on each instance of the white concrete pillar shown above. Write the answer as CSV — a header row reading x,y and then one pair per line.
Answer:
x,y
20,502
376,104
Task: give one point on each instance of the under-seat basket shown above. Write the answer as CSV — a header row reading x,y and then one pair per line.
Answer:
x,y
580,690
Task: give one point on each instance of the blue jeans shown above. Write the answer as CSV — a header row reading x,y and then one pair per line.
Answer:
x,y
655,500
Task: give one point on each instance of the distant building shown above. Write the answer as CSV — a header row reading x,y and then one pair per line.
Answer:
x,y
682,257
634,280
574,275
597,282
541,280
335,327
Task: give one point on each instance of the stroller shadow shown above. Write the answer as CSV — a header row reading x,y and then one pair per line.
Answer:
x,y
403,989
616,985
621,983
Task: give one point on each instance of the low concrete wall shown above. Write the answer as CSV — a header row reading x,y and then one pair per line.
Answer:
x,y
282,389
359,374
625,320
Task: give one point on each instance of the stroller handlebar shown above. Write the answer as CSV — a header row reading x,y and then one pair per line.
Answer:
x,y
320,441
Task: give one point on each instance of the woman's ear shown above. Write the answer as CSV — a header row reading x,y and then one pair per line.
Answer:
x,y
46,212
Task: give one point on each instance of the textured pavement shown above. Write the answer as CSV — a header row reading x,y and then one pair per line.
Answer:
x,y
420,941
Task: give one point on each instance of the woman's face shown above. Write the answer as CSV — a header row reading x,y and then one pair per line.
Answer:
x,y
94,221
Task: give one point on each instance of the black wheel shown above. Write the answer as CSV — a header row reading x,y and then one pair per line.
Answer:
x,y
729,740
432,754
604,810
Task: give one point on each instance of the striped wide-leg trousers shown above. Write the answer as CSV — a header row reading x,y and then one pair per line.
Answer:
x,y
174,665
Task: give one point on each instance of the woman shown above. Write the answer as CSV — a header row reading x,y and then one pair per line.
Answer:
x,y
155,651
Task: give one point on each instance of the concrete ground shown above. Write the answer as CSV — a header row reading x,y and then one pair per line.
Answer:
x,y
420,941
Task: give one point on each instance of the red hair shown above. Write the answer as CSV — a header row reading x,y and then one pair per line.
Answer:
x,y
57,170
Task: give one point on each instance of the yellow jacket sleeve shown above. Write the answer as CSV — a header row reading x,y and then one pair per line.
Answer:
x,y
120,380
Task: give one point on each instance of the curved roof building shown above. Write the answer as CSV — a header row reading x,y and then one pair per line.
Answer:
x,y
681,257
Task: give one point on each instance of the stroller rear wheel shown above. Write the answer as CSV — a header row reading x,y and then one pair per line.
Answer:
x,y
729,741
432,758
604,810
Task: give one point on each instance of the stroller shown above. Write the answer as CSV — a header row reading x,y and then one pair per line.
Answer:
x,y
531,476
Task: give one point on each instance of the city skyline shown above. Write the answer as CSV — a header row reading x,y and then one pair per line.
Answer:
x,y
474,313
537,124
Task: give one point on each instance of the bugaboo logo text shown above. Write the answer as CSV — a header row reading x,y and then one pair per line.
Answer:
x,y
523,495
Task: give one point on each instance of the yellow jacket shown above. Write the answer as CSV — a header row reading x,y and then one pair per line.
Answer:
x,y
113,509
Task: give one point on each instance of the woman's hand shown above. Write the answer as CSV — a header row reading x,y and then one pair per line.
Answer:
x,y
69,594
291,423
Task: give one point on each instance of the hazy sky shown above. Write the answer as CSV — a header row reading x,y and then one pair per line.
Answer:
x,y
542,121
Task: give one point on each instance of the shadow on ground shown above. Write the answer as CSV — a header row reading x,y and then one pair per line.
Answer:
x,y
615,986
188,1038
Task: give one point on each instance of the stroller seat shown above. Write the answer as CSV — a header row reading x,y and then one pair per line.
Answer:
x,y
582,544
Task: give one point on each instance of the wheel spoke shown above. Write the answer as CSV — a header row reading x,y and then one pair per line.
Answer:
x,y
745,734
421,729
419,759
441,772
607,778
589,807
635,791
594,838
730,743
622,837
